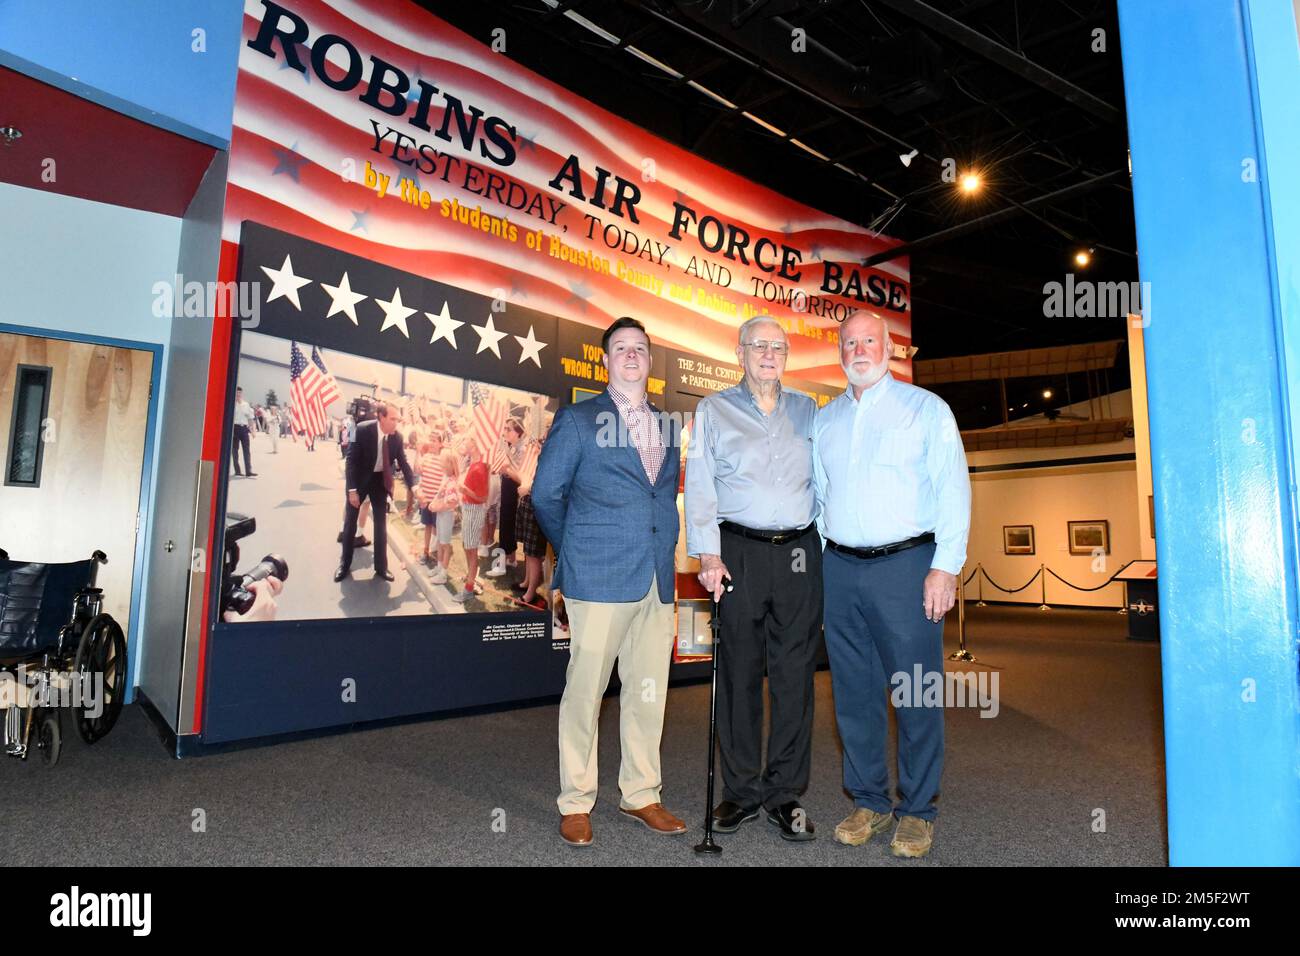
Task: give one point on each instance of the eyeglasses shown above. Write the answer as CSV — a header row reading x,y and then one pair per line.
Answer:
x,y
762,345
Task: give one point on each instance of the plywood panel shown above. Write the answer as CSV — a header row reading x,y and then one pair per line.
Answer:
x,y
90,478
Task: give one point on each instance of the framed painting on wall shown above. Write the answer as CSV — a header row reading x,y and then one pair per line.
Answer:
x,y
1087,536
1017,539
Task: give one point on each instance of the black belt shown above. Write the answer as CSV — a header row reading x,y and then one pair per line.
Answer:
x,y
868,553
768,537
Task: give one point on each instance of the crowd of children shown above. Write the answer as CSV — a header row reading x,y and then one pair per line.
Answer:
x,y
457,481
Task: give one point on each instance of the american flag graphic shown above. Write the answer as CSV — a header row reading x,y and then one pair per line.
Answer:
x,y
500,459
304,390
329,388
528,463
433,477
490,412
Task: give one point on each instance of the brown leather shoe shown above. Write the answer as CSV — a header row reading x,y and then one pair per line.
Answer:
x,y
575,829
656,818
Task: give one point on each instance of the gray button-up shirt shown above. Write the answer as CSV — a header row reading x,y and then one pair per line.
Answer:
x,y
747,467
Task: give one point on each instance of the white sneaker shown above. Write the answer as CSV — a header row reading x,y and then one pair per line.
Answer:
x,y
460,597
494,573
439,576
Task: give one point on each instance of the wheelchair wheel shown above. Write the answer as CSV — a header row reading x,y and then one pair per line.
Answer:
x,y
49,737
102,651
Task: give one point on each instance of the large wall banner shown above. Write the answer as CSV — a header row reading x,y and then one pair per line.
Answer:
x,y
377,129
437,238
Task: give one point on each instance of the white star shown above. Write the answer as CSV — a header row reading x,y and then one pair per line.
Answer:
x,y
285,283
530,348
444,326
488,337
343,299
395,314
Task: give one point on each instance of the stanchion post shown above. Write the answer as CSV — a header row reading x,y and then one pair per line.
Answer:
x,y
962,654
1123,608
979,583
1042,571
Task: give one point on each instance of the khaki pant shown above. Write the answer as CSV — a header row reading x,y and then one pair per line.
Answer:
x,y
640,635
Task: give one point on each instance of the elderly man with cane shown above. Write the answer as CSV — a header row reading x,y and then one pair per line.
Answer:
x,y
894,495
749,517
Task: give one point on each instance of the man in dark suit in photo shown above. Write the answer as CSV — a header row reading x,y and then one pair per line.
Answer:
x,y
372,456
605,495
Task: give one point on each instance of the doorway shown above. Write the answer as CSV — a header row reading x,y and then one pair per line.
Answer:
x,y
75,421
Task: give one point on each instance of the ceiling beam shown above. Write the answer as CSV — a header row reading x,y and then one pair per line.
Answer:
x,y
938,21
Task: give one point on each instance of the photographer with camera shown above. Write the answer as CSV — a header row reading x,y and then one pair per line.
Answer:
x,y
249,596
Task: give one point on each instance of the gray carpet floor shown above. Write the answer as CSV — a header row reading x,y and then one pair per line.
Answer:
x,y
1070,773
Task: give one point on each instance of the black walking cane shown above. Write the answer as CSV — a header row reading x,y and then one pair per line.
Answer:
x,y
715,625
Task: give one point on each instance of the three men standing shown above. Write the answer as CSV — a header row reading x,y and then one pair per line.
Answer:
x,y
880,472
749,517
894,494
605,495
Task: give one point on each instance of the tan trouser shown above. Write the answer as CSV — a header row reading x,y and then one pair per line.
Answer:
x,y
640,635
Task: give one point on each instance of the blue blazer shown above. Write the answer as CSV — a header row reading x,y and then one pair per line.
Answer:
x,y
612,530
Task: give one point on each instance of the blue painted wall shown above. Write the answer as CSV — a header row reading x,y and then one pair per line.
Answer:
x,y
1196,75
134,56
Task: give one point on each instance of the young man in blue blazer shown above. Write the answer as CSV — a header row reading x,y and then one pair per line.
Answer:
x,y
605,494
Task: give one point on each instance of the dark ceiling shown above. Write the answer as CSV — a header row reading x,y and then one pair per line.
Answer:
x,y
1029,93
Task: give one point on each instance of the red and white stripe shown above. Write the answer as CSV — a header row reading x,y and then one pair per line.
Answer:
x,y
489,416
433,477
528,464
277,110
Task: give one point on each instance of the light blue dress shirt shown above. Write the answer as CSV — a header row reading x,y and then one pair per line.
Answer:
x,y
890,466
747,467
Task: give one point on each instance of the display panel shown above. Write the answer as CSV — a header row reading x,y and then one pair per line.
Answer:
x,y
298,494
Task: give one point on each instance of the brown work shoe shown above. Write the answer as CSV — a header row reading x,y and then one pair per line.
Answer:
x,y
656,818
913,837
861,825
575,829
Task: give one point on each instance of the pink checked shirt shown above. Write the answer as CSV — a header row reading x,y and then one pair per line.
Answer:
x,y
643,429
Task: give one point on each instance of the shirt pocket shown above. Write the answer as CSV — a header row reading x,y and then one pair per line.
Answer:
x,y
899,448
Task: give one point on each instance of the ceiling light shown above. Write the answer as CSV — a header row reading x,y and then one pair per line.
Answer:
x,y
970,183
1047,393
10,135
906,158
1081,258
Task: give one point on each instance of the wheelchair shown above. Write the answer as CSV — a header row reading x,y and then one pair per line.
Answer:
x,y
54,660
